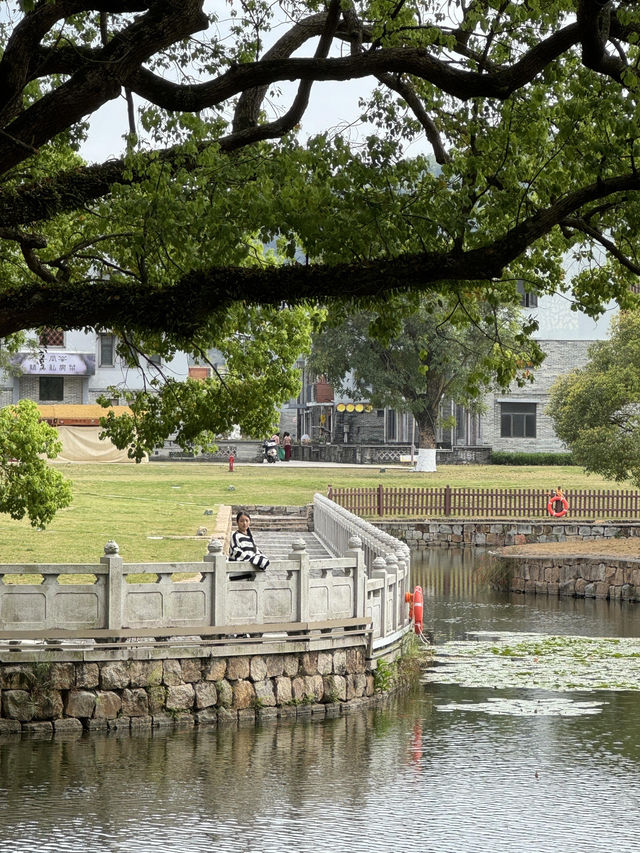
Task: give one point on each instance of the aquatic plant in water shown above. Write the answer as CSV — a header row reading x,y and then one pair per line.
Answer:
x,y
527,707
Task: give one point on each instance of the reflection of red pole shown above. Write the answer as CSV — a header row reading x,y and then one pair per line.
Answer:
x,y
416,744
231,461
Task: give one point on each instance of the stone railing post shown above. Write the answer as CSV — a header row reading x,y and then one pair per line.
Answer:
x,y
217,582
379,570
359,576
401,583
115,584
391,590
299,554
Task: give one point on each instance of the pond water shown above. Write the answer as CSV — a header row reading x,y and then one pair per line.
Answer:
x,y
447,768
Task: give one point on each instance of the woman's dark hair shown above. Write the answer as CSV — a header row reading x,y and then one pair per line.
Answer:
x,y
240,514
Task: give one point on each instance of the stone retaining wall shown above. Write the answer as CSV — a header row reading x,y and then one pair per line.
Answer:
x,y
46,698
495,533
573,575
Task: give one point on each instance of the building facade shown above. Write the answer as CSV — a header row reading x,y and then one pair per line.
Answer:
x,y
75,368
514,420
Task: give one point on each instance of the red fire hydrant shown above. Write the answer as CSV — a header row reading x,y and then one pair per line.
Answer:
x,y
231,461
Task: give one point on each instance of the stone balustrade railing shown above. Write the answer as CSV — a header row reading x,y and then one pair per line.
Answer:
x,y
214,592
334,525
386,558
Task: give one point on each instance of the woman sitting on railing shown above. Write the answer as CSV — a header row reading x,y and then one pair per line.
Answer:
x,y
243,548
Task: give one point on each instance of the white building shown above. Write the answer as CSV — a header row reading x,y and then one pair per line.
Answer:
x,y
67,373
516,421
512,421
76,367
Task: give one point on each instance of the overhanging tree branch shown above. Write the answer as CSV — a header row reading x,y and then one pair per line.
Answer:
x,y
182,308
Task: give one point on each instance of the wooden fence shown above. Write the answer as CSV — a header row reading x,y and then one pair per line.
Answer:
x,y
449,502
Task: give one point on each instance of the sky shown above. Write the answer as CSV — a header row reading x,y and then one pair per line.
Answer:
x,y
332,104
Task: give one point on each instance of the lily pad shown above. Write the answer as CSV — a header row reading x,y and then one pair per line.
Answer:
x,y
539,661
564,707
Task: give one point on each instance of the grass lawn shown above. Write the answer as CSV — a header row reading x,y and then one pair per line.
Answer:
x,y
135,503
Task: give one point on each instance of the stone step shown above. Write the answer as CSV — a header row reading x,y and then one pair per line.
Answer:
x,y
279,522
278,545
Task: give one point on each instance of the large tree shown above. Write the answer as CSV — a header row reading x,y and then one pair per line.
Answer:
x,y
596,409
529,111
439,351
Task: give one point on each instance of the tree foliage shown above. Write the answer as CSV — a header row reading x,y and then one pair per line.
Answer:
x,y
260,346
439,351
526,114
28,486
596,409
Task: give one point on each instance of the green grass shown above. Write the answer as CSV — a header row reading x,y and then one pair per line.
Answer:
x,y
130,503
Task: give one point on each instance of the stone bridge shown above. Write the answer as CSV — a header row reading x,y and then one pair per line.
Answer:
x,y
152,644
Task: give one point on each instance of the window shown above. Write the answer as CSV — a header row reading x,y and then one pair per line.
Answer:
x,y
391,425
51,388
527,300
52,338
518,420
460,425
107,350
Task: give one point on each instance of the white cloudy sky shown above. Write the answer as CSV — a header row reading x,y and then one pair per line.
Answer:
x,y
332,104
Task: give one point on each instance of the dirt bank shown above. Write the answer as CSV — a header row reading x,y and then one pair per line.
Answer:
x,y
597,547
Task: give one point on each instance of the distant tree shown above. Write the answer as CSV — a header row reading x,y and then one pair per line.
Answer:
x,y
439,350
596,409
28,485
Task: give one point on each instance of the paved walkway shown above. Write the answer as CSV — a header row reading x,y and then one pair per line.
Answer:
x,y
293,463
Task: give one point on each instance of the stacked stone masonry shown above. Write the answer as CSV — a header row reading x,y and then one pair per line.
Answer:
x,y
580,577
47,698
448,533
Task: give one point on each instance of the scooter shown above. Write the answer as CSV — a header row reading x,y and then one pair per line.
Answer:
x,y
270,450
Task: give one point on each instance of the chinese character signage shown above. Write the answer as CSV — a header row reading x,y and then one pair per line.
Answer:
x,y
46,363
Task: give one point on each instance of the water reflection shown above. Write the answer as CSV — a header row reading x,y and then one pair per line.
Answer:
x,y
409,777
456,602
406,778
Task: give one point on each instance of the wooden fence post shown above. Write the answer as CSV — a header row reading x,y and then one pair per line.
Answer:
x,y
380,499
447,500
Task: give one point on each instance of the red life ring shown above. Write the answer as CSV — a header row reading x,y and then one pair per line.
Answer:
x,y
417,609
551,506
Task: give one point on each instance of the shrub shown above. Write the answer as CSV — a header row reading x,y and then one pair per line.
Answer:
x,y
504,458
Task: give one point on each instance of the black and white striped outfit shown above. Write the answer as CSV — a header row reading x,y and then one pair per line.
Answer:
x,y
244,549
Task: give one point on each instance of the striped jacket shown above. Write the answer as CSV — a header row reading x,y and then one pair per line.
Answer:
x,y
244,549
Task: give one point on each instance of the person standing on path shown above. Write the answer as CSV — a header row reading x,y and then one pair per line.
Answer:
x,y
286,443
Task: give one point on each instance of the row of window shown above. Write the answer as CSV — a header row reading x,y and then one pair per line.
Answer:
x,y
106,346
517,420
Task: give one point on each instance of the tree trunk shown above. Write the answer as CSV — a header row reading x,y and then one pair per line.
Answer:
x,y
426,460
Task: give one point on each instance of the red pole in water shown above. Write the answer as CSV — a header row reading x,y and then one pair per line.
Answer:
x,y
417,609
408,597
231,461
